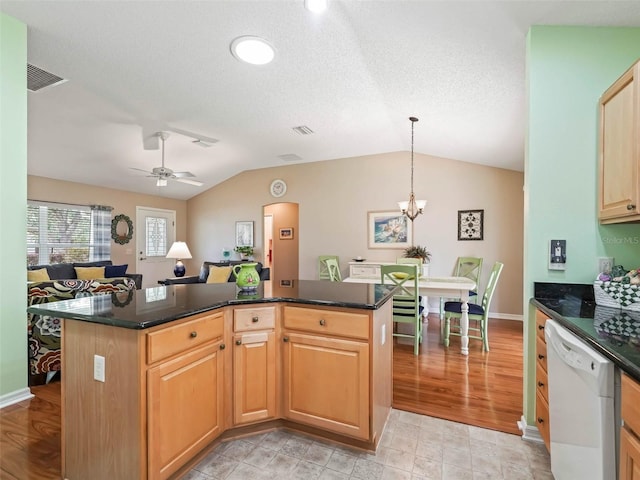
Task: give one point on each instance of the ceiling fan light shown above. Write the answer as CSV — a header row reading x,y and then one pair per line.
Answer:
x,y
161,182
253,50
316,6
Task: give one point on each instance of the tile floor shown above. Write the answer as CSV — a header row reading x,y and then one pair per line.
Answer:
x,y
412,447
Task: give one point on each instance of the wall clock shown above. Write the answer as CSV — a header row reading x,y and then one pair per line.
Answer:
x,y
278,188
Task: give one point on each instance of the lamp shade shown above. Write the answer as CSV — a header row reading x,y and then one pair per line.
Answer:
x,y
179,250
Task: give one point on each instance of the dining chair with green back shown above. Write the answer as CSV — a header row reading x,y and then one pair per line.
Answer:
x,y
406,300
323,271
477,313
334,269
471,268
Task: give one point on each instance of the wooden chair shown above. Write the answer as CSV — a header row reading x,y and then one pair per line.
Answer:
x,y
323,271
406,300
470,267
334,270
477,313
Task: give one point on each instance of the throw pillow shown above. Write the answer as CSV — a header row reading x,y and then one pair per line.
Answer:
x,y
218,274
89,273
40,275
111,271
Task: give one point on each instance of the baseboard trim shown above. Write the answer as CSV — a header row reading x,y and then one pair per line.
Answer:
x,y
15,397
500,316
529,432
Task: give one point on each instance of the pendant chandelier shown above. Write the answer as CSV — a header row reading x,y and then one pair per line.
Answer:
x,y
413,207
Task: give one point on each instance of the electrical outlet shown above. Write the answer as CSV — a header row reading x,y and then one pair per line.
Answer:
x,y
98,368
605,264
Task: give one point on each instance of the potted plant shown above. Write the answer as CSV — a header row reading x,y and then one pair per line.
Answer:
x,y
245,251
417,251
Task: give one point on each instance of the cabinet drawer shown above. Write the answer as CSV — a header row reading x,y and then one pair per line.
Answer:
x,y
542,388
542,419
254,318
630,407
541,319
175,339
327,321
541,353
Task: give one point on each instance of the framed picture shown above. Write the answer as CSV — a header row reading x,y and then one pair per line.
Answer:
x,y
286,283
389,229
286,233
244,234
470,224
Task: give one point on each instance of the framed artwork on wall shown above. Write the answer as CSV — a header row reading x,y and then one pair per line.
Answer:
x,y
389,229
286,233
470,224
244,234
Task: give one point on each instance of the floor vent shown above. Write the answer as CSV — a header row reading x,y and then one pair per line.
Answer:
x,y
290,157
303,130
37,79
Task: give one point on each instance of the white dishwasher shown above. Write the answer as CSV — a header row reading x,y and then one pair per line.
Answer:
x,y
581,408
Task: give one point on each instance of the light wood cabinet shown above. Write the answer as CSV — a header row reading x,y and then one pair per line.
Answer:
x,y
619,154
629,433
255,366
542,393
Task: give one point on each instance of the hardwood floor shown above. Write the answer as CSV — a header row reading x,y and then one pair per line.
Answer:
x,y
483,389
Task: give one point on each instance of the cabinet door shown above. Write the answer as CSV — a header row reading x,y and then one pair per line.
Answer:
x,y
326,383
629,456
184,401
254,372
620,149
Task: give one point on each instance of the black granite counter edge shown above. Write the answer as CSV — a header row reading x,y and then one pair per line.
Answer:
x,y
626,366
114,322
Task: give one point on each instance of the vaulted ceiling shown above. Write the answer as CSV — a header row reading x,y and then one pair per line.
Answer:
x,y
353,75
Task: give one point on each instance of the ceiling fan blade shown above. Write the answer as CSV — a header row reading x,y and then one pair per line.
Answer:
x,y
140,170
190,182
195,136
183,174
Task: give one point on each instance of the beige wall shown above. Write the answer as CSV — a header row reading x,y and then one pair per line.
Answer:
x,y
334,197
47,189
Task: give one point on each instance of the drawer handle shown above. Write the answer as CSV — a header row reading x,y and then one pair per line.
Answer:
x,y
540,384
193,334
238,342
222,346
540,420
285,339
631,206
540,327
322,322
540,356
254,319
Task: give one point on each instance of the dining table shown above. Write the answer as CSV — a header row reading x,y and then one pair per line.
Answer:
x,y
447,287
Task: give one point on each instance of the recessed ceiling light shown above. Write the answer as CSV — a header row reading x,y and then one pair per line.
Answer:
x,y
254,50
316,6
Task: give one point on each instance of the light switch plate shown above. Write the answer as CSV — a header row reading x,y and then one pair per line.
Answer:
x,y
605,264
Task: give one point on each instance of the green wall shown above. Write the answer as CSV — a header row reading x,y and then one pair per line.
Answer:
x,y
13,205
568,69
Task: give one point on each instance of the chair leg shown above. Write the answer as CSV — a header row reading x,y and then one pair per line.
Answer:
x,y
447,329
485,335
441,309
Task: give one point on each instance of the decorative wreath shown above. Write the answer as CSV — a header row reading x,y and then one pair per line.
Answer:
x,y
125,296
121,239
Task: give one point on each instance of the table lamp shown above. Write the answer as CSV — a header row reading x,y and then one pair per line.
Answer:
x,y
179,250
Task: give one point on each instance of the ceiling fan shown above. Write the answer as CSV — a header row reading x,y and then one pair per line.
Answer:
x,y
163,174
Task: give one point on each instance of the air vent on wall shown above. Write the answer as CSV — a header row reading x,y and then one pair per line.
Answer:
x,y
303,130
290,157
37,79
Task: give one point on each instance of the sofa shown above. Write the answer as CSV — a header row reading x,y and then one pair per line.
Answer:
x,y
44,331
67,271
205,269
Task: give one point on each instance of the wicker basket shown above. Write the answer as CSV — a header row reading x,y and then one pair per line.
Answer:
x,y
619,295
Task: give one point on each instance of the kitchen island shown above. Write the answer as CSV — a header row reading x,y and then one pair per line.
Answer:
x,y
153,379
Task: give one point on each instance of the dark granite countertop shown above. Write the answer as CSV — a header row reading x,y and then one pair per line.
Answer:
x,y
149,307
613,332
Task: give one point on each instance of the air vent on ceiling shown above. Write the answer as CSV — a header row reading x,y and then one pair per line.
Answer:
x,y
303,130
290,157
37,79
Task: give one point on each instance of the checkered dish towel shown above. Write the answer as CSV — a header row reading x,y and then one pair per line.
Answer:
x,y
625,293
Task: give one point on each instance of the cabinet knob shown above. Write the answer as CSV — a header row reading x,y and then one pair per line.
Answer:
x,y
540,384
540,420
254,319
193,334
540,327
238,342
222,346
631,206
540,356
322,322
285,339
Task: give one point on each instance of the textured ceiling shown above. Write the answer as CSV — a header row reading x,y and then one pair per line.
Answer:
x,y
353,75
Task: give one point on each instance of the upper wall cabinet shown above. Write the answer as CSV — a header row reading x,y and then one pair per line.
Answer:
x,y
619,162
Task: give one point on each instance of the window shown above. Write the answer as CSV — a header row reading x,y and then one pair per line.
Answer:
x,y
61,233
156,236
